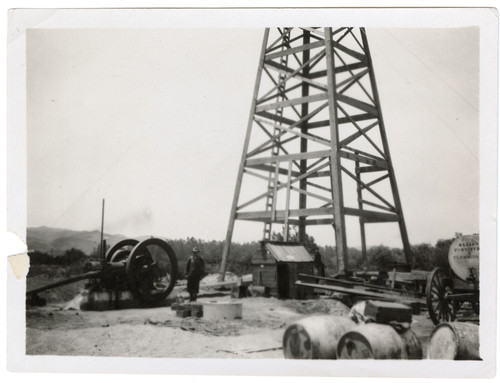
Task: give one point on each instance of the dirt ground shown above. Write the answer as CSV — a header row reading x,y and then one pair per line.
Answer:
x,y
158,332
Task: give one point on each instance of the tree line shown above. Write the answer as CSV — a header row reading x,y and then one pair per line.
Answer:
x,y
381,258
69,257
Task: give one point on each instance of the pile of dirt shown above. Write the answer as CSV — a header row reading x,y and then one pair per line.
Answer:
x,y
318,306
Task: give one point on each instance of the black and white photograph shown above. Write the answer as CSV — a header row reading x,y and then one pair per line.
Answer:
x,y
264,186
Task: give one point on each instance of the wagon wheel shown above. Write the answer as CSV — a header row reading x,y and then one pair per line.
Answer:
x,y
152,270
441,309
115,253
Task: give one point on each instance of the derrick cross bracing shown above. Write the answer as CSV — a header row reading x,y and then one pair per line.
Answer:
x,y
316,140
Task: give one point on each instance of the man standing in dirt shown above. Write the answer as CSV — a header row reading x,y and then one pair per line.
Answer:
x,y
319,267
195,271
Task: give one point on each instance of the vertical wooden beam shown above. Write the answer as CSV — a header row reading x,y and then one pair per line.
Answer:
x,y
287,206
361,219
232,217
392,177
303,141
335,166
275,191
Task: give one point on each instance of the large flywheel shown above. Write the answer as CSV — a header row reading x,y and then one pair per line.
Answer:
x,y
152,270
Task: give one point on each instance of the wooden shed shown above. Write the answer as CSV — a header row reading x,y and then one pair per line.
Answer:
x,y
277,266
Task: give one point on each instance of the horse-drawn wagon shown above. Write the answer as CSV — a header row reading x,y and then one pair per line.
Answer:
x,y
446,292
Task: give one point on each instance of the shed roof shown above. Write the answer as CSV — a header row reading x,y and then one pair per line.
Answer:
x,y
288,252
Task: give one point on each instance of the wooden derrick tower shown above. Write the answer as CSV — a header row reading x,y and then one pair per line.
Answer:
x,y
316,148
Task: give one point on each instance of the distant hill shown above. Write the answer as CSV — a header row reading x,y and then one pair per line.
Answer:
x,y
56,241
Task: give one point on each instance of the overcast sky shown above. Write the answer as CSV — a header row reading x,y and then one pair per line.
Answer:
x,y
154,122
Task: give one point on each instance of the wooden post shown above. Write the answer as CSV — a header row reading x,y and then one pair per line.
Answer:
x,y
392,177
287,203
232,217
335,167
303,141
361,218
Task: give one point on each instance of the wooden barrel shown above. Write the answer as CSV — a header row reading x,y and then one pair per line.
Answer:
x,y
454,341
377,341
315,337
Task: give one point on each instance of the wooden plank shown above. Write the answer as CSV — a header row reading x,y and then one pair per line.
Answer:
x,y
340,120
356,117
319,140
382,164
275,191
414,275
287,203
218,284
281,68
305,175
325,173
268,168
353,283
319,221
280,214
309,194
366,154
261,148
320,187
351,80
350,67
253,200
287,52
370,109
279,93
273,46
318,124
376,180
284,44
293,101
362,227
360,56
276,139
373,216
373,192
362,293
269,144
370,169
339,69
354,136
316,62
287,157
267,219
378,206
314,31
257,175
275,117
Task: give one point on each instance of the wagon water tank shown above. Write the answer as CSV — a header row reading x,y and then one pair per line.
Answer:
x,y
463,257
